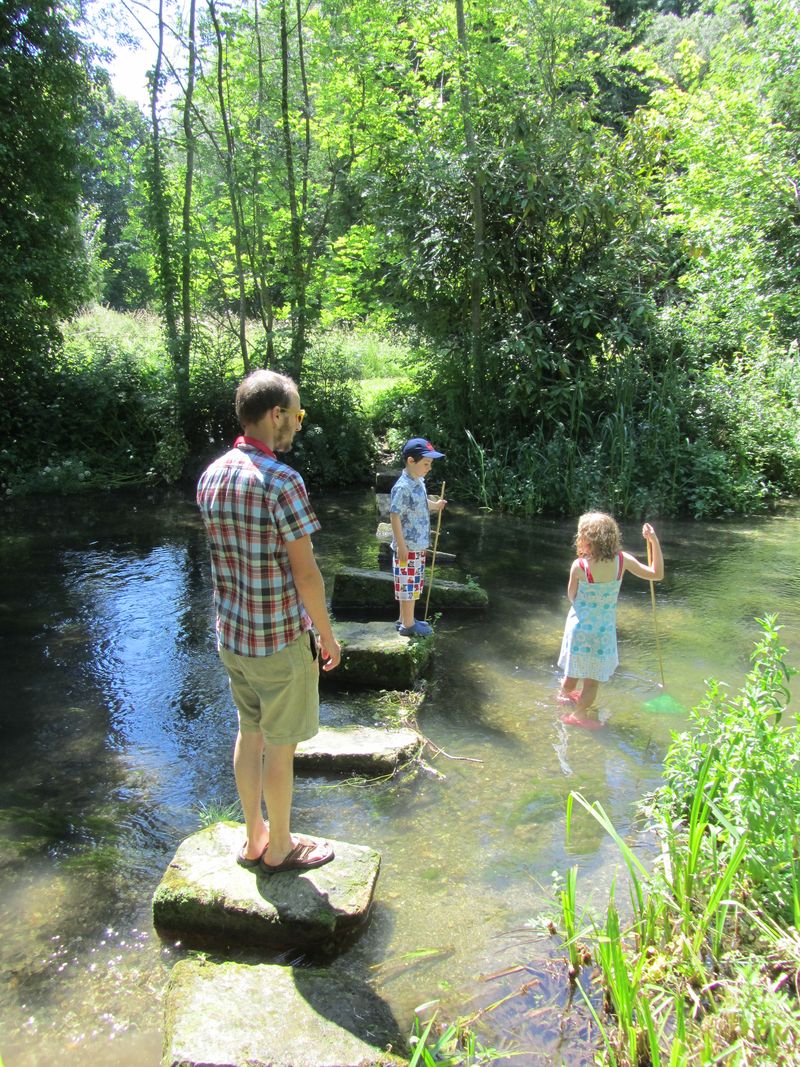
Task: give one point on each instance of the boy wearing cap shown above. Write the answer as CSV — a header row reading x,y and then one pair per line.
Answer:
x,y
409,513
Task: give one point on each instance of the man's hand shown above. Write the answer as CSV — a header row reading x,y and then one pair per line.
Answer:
x,y
330,652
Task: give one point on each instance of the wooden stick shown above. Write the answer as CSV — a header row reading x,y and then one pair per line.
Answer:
x,y
433,555
655,624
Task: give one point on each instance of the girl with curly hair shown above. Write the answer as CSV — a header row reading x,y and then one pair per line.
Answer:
x,y
589,647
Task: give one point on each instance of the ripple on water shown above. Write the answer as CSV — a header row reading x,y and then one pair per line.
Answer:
x,y
118,724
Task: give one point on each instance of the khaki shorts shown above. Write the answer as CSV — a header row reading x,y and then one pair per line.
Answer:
x,y
277,695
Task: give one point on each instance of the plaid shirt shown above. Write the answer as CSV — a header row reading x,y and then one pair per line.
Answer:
x,y
251,506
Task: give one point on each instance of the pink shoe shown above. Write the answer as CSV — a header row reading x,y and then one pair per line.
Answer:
x,y
567,698
571,719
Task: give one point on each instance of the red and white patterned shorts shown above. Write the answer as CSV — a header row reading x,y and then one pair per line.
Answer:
x,y
409,579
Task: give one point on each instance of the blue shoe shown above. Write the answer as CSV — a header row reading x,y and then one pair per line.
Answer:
x,y
419,629
398,624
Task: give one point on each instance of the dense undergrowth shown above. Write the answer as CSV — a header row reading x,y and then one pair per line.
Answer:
x,y
631,434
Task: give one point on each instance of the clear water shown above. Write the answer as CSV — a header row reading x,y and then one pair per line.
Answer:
x,y
116,725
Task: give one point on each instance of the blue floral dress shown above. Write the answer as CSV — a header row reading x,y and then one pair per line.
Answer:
x,y
589,647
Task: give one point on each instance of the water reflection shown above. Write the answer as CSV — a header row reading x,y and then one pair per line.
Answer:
x,y
116,723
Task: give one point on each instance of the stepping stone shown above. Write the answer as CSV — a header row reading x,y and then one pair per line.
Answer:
x,y
264,1015
355,589
205,896
375,656
372,749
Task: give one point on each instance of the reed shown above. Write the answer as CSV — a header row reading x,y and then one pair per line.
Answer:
x,y
707,968
455,1044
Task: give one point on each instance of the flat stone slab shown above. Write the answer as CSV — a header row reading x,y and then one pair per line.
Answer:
x,y
264,1015
205,896
375,656
373,749
355,589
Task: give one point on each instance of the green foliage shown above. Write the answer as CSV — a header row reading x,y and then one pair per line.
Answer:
x,y
750,763
693,976
217,810
115,136
585,216
449,1046
43,268
111,397
42,86
336,447
729,127
108,396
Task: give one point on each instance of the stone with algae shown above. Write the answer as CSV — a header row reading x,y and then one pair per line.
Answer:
x,y
205,897
375,656
362,749
357,589
264,1015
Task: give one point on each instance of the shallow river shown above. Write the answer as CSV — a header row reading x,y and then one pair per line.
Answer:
x,y
117,727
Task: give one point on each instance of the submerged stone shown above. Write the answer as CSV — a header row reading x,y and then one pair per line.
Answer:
x,y
375,656
371,749
205,896
355,589
264,1015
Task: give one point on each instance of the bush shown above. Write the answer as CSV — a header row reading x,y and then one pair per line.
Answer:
x,y
745,759
337,446
109,403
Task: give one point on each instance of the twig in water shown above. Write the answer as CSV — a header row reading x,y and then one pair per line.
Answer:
x,y
441,752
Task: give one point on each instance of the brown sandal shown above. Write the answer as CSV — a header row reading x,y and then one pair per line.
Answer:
x,y
300,858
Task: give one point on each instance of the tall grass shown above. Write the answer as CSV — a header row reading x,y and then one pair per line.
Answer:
x,y
706,968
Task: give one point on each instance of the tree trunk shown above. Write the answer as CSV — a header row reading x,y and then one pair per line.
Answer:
x,y
186,250
297,271
160,214
256,249
477,271
233,191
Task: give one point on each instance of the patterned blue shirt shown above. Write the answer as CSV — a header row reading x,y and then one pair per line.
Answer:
x,y
409,500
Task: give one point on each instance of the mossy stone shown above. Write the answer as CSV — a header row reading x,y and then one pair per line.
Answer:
x,y
365,749
265,1015
357,589
205,897
375,656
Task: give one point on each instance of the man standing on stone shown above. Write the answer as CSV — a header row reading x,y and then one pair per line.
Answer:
x,y
268,593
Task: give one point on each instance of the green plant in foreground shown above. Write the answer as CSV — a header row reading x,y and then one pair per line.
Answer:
x,y
455,1044
708,967
216,810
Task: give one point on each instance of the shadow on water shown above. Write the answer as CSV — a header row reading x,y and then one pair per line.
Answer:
x,y
116,723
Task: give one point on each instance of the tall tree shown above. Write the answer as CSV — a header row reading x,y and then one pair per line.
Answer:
x,y
231,177
43,266
43,88
160,205
187,229
476,271
296,270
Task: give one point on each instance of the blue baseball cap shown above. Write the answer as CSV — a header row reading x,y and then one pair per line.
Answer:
x,y
419,448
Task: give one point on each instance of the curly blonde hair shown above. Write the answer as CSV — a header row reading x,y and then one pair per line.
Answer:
x,y
598,535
